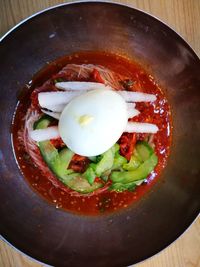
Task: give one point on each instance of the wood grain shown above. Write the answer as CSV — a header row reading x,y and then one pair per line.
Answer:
x,y
184,17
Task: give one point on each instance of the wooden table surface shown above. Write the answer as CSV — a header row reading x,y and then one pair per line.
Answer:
x,y
184,17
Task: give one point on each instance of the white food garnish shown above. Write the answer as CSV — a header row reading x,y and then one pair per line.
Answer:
x,y
93,122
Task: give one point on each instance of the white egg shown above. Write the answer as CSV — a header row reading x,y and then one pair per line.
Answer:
x,y
93,122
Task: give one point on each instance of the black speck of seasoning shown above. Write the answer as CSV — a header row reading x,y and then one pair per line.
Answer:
x,y
102,210
127,84
104,204
26,157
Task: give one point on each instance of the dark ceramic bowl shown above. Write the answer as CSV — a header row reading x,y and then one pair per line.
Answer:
x,y
62,239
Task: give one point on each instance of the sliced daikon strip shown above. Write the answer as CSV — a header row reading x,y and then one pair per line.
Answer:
x,y
54,115
130,105
132,112
137,96
56,108
45,134
140,127
76,86
51,99
47,99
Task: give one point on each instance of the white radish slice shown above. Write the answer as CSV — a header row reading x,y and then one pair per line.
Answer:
x,y
87,86
50,99
75,86
54,115
137,96
47,99
130,105
56,108
45,134
132,112
140,127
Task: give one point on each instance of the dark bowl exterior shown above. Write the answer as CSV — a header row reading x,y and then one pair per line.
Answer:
x,y
60,238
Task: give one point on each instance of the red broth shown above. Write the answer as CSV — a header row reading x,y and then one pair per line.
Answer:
x,y
157,112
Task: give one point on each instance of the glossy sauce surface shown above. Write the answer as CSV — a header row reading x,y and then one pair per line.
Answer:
x,y
157,112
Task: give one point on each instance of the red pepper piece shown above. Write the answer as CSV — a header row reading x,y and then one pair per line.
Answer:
x,y
96,76
127,143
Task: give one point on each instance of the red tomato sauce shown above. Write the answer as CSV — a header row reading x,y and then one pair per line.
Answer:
x,y
157,112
